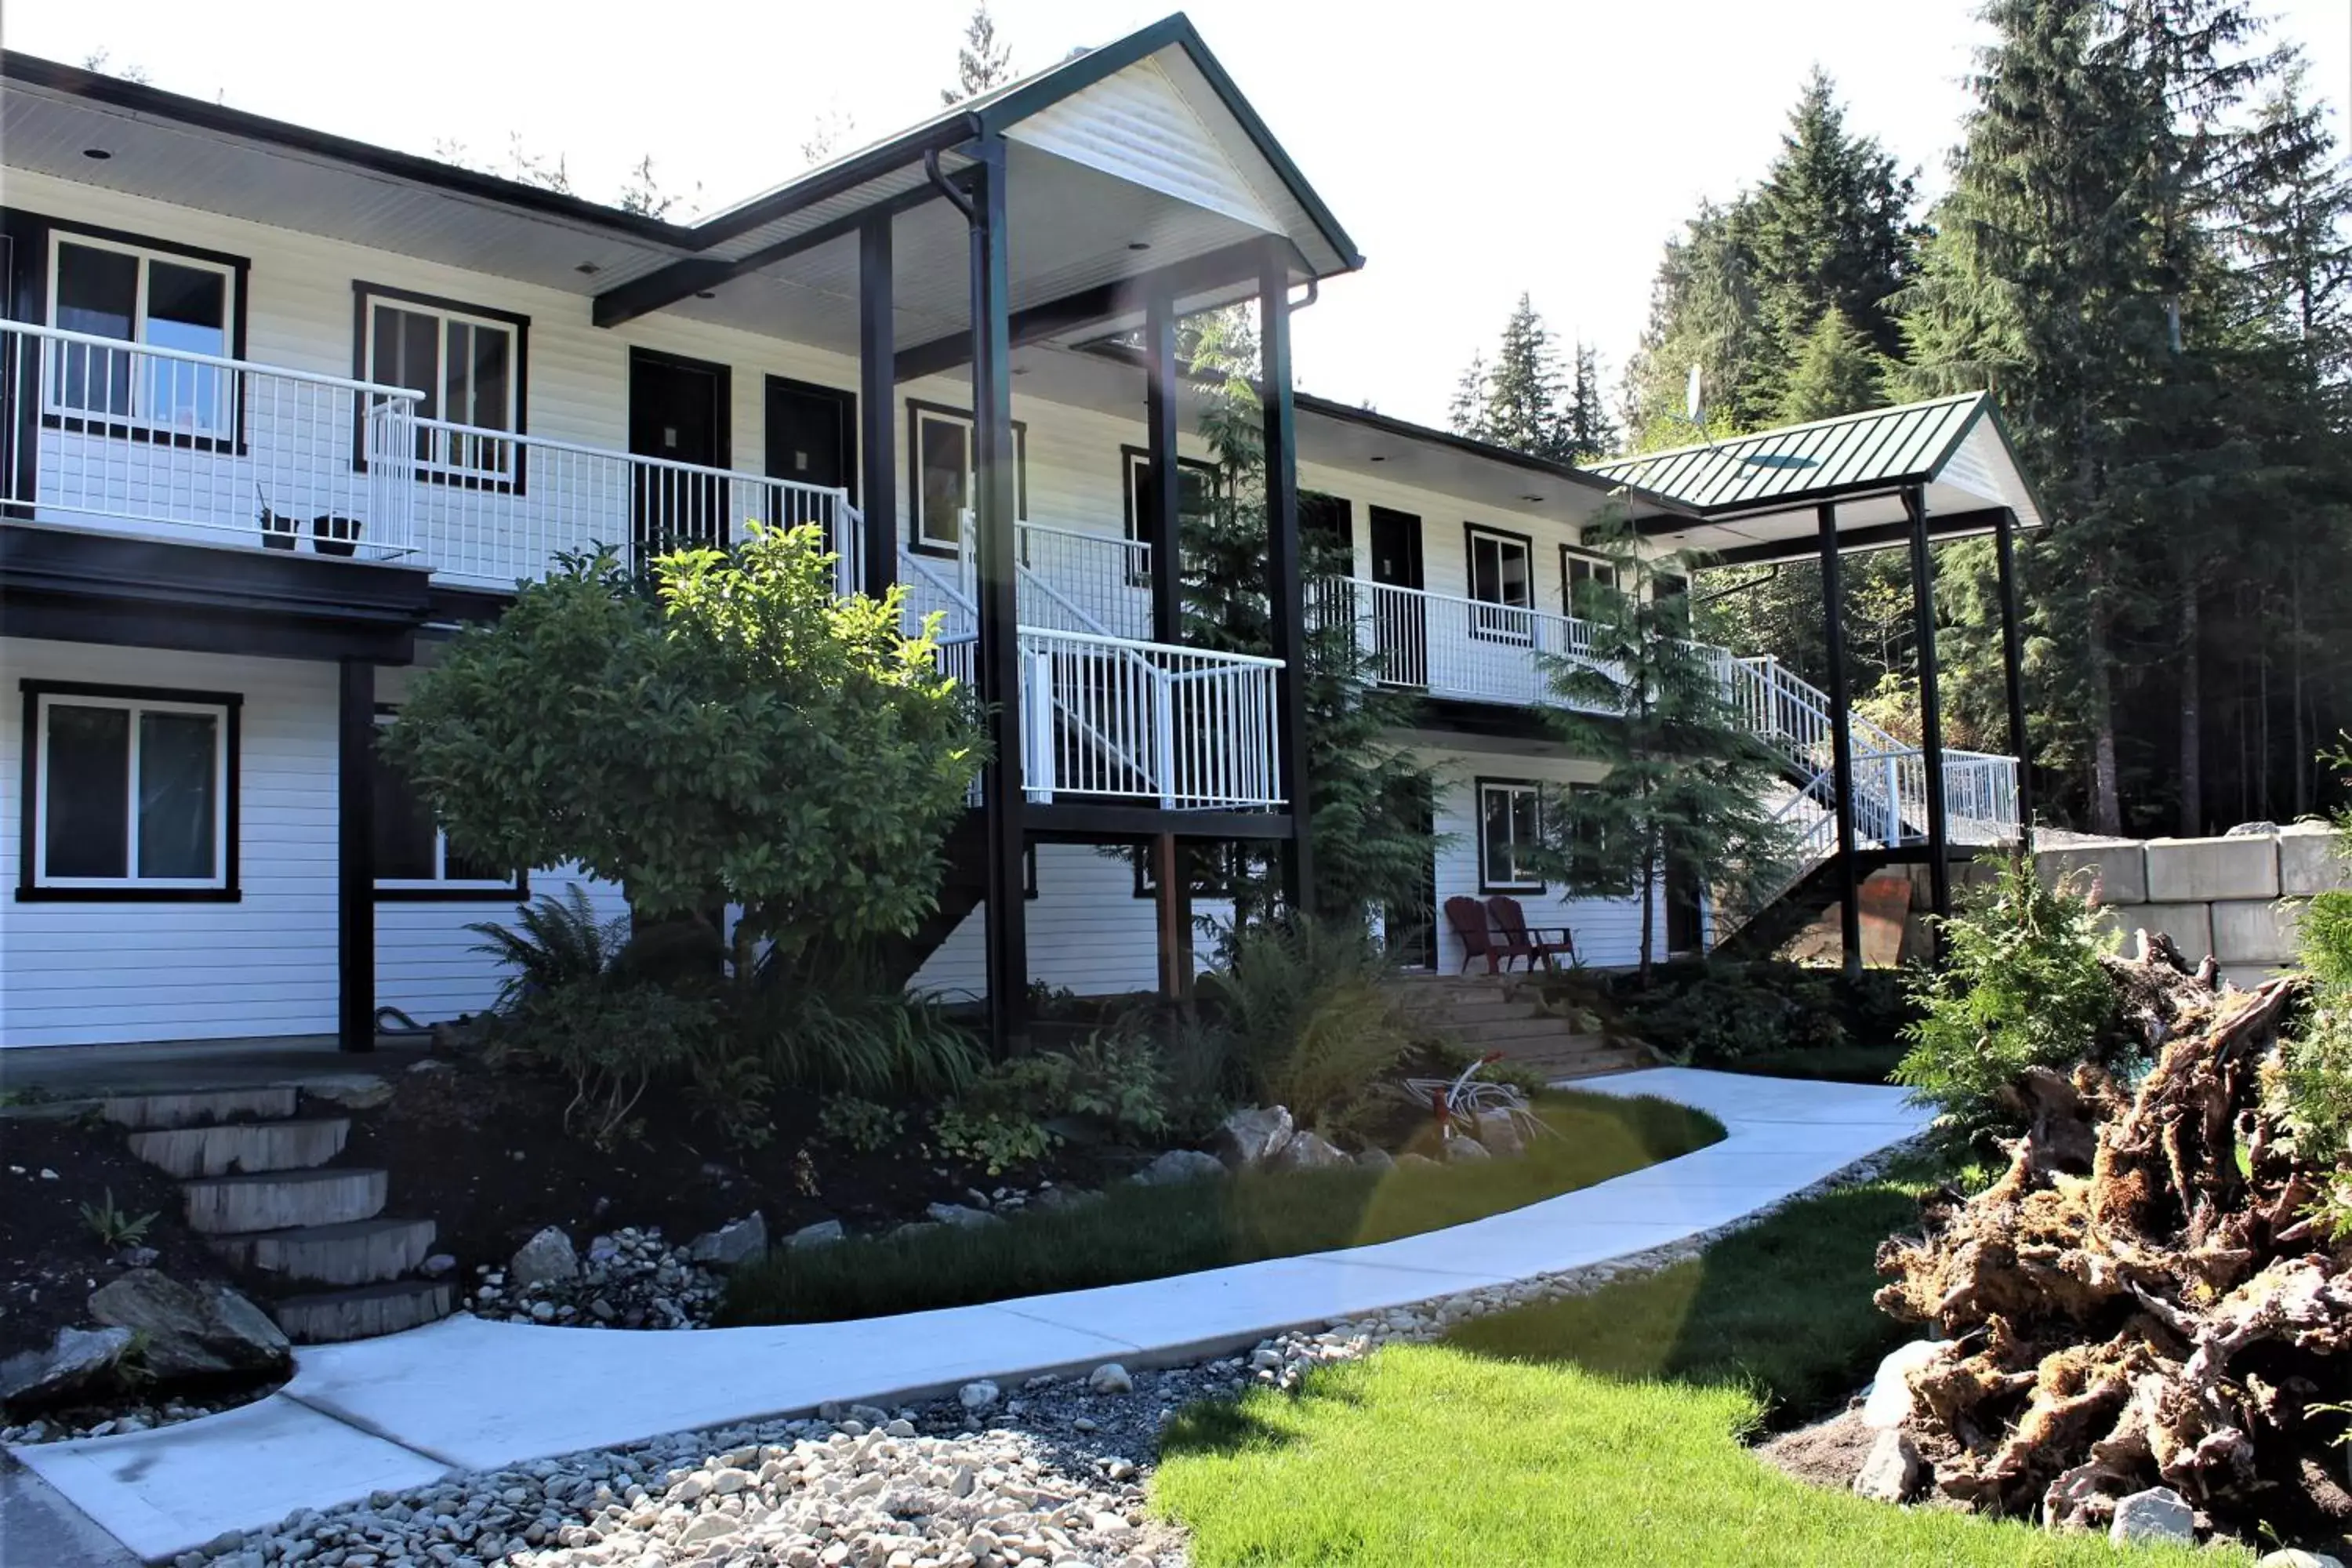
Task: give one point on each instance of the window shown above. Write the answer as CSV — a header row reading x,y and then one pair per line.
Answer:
x,y
413,856
467,365
1196,499
1214,870
1510,833
156,300
1576,570
133,793
1502,576
940,487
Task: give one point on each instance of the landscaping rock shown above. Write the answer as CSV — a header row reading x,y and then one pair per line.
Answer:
x,y
1307,1151
2295,1558
76,1360
1891,1473
435,1266
1110,1378
978,1396
1178,1165
546,1258
731,1245
1410,1161
961,1215
823,1233
1250,1136
1888,1403
1377,1160
193,1331
2157,1514
1498,1132
351,1090
1467,1151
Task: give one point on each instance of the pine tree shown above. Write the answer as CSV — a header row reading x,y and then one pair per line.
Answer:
x,y
1523,388
1589,432
1688,784
1835,371
1704,312
1467,414
982,65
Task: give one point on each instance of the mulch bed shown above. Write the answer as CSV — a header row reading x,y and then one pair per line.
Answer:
x,y
51,1259
485,1155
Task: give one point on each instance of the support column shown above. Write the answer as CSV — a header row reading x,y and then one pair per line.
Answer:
x,y
1841,741
994,521
1173,906
877,405
1163,502
2012,662
1284,571
1931,707
356,858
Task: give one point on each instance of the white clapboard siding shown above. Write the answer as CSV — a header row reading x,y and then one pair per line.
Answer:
x,y
73,973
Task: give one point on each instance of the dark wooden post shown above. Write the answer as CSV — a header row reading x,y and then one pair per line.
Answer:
x,y
1160,525
877,406
2012,662
1841,741
1284,577
994,518
355,857
1931,707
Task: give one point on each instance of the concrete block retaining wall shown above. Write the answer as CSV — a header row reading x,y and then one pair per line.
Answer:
x,y
2238,899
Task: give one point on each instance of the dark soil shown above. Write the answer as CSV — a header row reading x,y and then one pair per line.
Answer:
x,y
485,1156
50,1256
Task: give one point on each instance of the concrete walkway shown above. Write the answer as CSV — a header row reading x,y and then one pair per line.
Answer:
x,y
463,1395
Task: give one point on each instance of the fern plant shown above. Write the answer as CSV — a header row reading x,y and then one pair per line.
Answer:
x,y
1314,1022
112,1226
561,941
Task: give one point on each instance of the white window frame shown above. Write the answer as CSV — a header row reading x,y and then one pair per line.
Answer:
x,y
496,455
1518,625
441,881
224,743
222,424
921,534
1516,884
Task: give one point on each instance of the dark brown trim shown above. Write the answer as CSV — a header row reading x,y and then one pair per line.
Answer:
x,y
518,891
1470,533
1066,822
916,409
1569,552
362,292
355,856
232,703
1478,786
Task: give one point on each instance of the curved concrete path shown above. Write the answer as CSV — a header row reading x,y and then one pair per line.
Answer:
x,y
465,1395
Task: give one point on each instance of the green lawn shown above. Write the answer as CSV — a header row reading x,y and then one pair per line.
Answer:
x,y
1839,1064
1146,1232
1603,1431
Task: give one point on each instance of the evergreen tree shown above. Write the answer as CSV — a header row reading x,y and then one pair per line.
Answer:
x,y
1523,389
1688,785
1589,432
1703,312
982,65
1835,371
1467,414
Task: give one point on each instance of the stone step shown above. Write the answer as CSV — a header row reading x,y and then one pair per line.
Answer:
x,y
361,1313
1469,1009
199,1108
283,1200
356,1252
1503,1031
227,1147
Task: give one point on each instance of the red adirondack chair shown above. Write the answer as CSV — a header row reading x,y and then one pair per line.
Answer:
x,y
1468,919
1510,924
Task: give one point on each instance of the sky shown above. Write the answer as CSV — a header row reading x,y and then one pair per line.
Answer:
x,y
1473,149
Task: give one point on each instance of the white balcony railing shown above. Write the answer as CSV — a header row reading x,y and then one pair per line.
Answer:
x,y
1452,646
168,444
1178,728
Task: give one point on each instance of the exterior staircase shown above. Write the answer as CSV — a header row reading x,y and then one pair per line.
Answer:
x,y
1508,1012
257,1177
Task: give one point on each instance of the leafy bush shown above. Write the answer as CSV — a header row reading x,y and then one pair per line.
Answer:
x,y
1314,1022
2326,938
995,1140
859,1123
2021,986
847,1033
611,1040
1111,1078
1718,1012
2312,1089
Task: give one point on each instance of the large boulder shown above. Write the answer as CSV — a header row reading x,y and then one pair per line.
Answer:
x,y
1499,1132
547,1259
823,1233
1180,1165
1306,1152
192,1332
76,1361
732,1245
1250,1136
1891,1472
2159,1514
961,1215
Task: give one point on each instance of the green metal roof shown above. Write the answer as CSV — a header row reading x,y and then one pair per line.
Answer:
x,y
1798,463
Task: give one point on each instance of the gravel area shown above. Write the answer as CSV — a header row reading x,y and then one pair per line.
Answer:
x,y
1047,1473
105,1421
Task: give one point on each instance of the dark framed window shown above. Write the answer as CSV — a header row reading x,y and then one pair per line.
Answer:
x,y
1510,834
159,300
130,794
1196,502
939,475
1580,575
1502,581
412,857
1215,869
467,366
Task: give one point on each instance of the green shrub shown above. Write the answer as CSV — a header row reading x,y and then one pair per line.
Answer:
x,y
554,943
1314,1022
2325,938
995,1141
859,1123
2020,986
610,1041
1711,1013
831,1028
1111,1078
